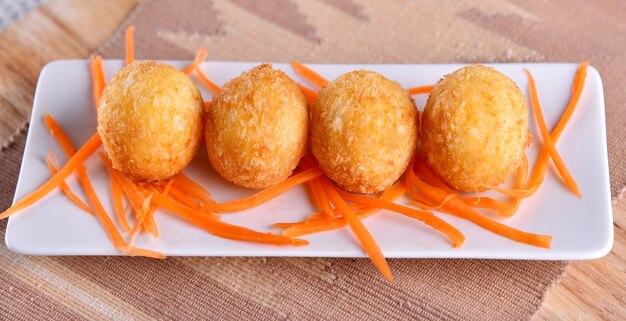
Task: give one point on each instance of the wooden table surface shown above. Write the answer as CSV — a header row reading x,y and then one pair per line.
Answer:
x,y
59,29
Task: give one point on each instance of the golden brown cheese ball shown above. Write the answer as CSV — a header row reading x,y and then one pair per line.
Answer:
x,y
256,128
475,128
150,120
364,131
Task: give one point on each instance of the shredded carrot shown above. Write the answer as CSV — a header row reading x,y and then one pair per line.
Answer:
x,y
309,94
314,226
53,165
91,146
182,197
118,203
362,234
201,55
309,74
135,251
191,187
457,207
420,90
541,164
323,201
205,80
130,46
212,224
207,105
98,78
548,142
423,170
133,192
75,162
266,194
454,235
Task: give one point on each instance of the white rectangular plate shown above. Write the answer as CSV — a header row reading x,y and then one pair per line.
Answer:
x,y
582,229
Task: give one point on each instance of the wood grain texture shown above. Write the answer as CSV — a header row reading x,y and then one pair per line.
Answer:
x,y
590,290
58,29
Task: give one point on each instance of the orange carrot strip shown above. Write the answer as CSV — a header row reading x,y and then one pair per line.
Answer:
x,y
118,203
423,170
266,194
520,180
420,90
362,234
191,187
53,165
201,55
135,196
205,80
309,74
207,105
309,94
96,80
76,159
460,209
541,164
222,229
181,197
92,144
454,235
135,251
548,142
315,226
110,228
130,46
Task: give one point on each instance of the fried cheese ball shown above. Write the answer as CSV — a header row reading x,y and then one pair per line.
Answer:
x,y
364,131
150,120
475,128
256,128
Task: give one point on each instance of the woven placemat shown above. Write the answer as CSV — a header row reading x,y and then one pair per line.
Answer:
x,y
316,288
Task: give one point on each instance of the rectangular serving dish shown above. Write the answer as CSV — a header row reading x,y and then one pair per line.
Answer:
x,y
582,229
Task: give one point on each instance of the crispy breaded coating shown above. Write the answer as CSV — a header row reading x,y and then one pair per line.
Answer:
x,y
364,131
256,128
150,120
475,128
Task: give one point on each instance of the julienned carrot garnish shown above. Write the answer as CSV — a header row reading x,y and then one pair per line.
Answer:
x,y
362,234
423,170
118,203
201,55
135,251
309,74
212,224
541,164
458,208
547,140
454,235
89,148
193,189
420,90
75,163
326,224
309,94
130,46
151,226
132,191
53,165
266,194
425,173
183,198
98,78
205,80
